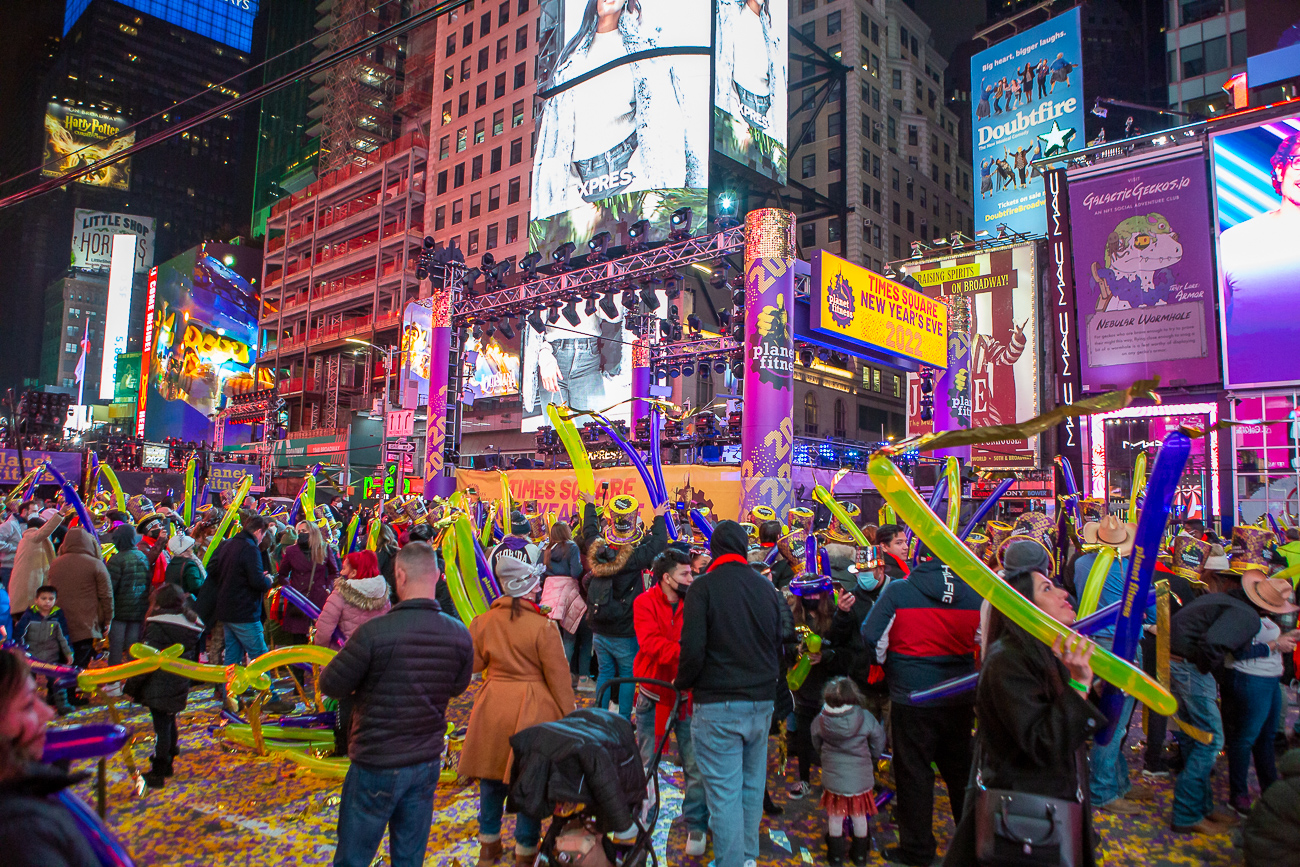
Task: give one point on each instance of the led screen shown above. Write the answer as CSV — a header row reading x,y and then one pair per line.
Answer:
x,y
624,128
495,367
1257,193
75,138
751,69
229,22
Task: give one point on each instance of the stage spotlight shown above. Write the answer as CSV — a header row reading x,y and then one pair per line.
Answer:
x,y
590,307
704,370
562,255
724,319
571,313
718,278
477,331
806,357
529,264
649,297
665,329
630,323
503,269
688,369
738,332
639,235
823,354
629,299
673,288
738,298
680,222
553,313
598,245
608,306
491,328
471,277
507,330
535,320
674,371
720,367
487,262
694,322
738,370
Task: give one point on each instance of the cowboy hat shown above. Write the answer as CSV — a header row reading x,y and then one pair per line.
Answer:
x,y
1271,594
1111,531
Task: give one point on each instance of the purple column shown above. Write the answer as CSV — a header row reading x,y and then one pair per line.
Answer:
x,y
767,428
436,428
640,383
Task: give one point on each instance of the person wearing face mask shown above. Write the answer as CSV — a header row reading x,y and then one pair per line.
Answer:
x,y
657,616
36,830
859,590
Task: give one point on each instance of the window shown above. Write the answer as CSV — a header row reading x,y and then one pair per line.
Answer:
x,y
1193,60
875,33
864,25
833,124
512,191
839,418
808,235
947,181
810,412
485,24
439,218
894,183
902,39
442,182
444,147
930,97
449,78
523,6
451,44
898,385
875,379
807,5
1238,47
476,168
457,211
521,75
483,59
911,134
517,114
897,213
521,39
492,237
1216,54
446,112
516,151
512,229
480,127
832,23
809,132
896,78
462,105
503,48
832,230
1192,11
494,197
458,176
893,127
947,153
494,162
915,47
498,121
875,94
480,95
834,161
918,88
934,175
475,205
462,138
472,246
467,35
465,70
69,347
875,204
911,190
809,165
503,14
911,221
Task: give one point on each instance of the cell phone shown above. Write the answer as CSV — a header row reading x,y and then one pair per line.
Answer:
x,y
868,557
605,485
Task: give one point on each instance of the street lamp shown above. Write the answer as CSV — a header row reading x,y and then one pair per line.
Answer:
x,y
388,375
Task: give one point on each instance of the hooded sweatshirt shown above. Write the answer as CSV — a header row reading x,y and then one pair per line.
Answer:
x,y
923,631
850,740
85,593
350,604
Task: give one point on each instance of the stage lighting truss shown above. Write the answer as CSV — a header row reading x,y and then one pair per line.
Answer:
x,y
707,351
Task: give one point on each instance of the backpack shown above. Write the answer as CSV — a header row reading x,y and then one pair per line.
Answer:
x,y
604,608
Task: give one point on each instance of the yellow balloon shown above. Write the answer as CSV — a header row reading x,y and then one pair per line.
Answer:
x,y
953,472
895,488
240,493
824,497
115,673
567,431
169,660
1139,485
333,768
1096,580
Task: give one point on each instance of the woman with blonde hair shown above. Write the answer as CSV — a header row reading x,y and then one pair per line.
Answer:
x,y
310,567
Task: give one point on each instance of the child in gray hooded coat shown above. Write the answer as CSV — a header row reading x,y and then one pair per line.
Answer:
x,y
850,741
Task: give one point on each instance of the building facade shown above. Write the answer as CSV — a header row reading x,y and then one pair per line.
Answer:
x,y
1205,42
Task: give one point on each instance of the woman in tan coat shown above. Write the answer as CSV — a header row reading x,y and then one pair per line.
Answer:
x,y
525,682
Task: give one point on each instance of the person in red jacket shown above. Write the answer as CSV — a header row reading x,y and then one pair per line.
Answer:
x,y
657,618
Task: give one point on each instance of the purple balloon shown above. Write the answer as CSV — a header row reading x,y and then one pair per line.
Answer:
x,y
90,741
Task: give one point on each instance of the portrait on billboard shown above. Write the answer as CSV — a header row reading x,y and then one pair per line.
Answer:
x,y
1144,274
491,367
621,136
751,70
586,366
76,138
1257,192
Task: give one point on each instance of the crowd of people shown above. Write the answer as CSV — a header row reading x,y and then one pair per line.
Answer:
x,y
831,652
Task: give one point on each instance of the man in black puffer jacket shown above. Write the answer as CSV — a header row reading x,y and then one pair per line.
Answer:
x,y
400,670
1272,831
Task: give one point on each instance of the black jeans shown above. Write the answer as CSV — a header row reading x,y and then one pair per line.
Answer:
x,y
799,742
922,735
1157,725
164,726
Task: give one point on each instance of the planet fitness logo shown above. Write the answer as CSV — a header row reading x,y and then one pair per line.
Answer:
x,y
839,299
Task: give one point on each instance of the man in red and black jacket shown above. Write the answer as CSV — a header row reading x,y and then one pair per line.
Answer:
x,y
892,539
923,630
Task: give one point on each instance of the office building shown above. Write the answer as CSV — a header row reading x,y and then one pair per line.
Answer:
x,y
1206,45
74,308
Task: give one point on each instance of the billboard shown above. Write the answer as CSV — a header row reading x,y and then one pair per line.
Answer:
x,y
1257,199
201,346
126,378
1027,101
992,376
92,239
121,276
229,22
74,139
623,133
587,365
1145,275
751,70
492,367
851,302
417,321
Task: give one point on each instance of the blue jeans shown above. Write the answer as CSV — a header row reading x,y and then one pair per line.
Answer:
x,y
121,636
399,799
614,656
581,385
1250,708
694,808
491,804
1196,692
731,751
243,638
1108,778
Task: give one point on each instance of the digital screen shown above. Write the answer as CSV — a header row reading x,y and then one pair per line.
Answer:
x,y
202,345
751,70
624,128
156,456
121,274
1257,196
229,22
587,366
1027,102
495,371
417,322
74,139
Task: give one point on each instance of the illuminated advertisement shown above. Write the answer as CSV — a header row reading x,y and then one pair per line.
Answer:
x,y
586,365
229,22
417,321
126,378
75,138
751,69
624,128
92,239
1145,275
860,305
1027,102
993,365
202,342
1257,197
121,276
492,367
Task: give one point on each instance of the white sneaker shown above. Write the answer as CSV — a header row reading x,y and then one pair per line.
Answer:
x,y
113,690
696,841
799,790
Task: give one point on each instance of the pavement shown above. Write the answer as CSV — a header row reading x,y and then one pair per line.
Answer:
x,y
227,807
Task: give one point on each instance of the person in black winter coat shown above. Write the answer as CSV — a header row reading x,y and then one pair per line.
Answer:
x,y
813,606
1035,717
612,585
864,587
241,584
36,830
170,621
1271,835
400,670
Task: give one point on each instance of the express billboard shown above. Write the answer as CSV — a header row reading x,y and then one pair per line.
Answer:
x,y
992,376
624,128
750,75
202,343
1027,102
1144,274
1257,204
92,239
77,137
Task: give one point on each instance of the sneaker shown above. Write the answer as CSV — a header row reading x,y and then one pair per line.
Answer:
x,y
1155,773
1140,793
1202,827
113,690
696,842
799,790
279,706
1121,807
1241,805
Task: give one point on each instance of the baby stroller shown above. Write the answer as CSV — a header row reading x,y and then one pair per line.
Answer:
x,y
586,772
